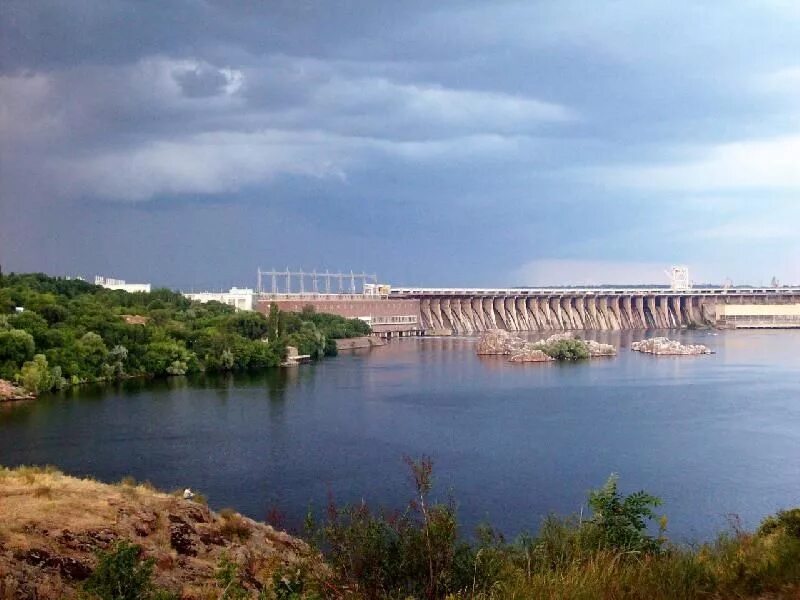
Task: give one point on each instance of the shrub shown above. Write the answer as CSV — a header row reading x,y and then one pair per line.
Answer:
x,y
787,521
16,346
622,520
571,349
413,553
36,375
123,574
234,526
228,580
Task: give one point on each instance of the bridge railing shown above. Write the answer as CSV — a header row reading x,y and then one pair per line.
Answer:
x,y
420,292
299,297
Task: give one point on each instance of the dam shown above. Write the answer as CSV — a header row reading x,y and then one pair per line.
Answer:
x,y
465,311
413,311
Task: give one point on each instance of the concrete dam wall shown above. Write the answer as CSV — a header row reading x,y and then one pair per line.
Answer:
x,y
471,311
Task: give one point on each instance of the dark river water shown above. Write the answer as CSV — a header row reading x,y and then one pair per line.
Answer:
x,y
712,435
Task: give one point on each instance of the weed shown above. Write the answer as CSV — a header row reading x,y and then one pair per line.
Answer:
x,y
234,526
43,491
122,573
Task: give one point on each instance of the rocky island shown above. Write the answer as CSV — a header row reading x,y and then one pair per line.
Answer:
x,y
662,346
560,346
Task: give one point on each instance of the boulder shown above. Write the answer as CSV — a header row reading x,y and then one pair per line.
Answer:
x,y
598,349
498,341
595,348
557,337
9,392
662,346
502,343
529,353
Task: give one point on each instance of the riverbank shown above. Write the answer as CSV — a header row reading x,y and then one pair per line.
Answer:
x,y
12,393
62,538
359,343
57,332
53,526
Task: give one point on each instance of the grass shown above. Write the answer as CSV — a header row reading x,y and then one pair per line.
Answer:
x,y
70,518
418,552
607,555
234,526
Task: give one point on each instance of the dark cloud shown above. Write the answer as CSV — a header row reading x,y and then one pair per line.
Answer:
x,y
458,138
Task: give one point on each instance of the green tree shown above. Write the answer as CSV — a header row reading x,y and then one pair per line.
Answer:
x,y
92,353
162,355
226,360
36,375
274,325
30,322
117,357
622,520
567,350
16,346
53,313
308,340
250,325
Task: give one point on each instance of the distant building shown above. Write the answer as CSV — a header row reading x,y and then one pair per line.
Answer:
x,y
377,289
679,278
119,284
240,298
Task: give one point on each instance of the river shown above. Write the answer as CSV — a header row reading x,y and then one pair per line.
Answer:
x,y
712,435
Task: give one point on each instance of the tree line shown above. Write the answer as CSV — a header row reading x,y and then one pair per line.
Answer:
x,y
70,331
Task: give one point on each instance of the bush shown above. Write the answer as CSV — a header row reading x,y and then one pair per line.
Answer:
x,y
622,520
123,574
228,580
16,346
234,526
787,521
37,376
413,553
567,350
80,329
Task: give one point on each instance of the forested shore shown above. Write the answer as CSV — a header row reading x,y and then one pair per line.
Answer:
x,y
56,332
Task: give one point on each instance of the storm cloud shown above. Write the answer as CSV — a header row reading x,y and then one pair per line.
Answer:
x,y
186,143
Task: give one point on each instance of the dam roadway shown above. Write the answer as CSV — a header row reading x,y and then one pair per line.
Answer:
x,y
472,310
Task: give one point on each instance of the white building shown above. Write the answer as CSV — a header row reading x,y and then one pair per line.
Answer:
x,y
119,284
240,298
679,278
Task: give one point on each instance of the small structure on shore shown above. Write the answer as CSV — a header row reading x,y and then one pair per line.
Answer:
x,y
357,343
661,346
294,358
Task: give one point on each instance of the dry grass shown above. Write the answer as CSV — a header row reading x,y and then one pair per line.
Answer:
x,y
43,491
234,526
66,517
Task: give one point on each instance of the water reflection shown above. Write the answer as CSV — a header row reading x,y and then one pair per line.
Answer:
x,y
711,434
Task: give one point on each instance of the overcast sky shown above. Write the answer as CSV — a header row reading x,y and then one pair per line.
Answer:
x,y
435,143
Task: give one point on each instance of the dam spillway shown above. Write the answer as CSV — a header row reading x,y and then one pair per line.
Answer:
x,y
467,311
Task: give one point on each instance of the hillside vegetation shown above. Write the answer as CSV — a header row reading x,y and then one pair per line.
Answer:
x,y
62,537
72,332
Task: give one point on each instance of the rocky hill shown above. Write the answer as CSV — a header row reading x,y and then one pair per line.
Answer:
x,y
52,527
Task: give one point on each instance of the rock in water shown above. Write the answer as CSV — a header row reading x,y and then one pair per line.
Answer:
x,y
595,348
498,341
598,349
529,353
501,342
662,346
